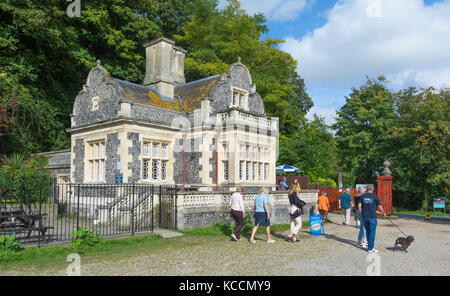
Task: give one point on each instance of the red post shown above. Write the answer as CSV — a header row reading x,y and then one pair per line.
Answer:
x,y
384,192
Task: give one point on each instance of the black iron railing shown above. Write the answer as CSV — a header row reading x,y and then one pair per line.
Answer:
x,y
50,213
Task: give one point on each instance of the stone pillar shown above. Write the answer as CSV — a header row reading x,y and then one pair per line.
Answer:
x,y
384,192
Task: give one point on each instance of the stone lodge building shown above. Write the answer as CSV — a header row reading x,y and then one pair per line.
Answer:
x,y
211,133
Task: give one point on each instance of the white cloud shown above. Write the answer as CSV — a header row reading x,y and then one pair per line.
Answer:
x,y
288,10
328,113
275,10
405,40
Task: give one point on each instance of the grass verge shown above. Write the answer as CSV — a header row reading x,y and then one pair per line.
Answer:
x,y
437,213
55,256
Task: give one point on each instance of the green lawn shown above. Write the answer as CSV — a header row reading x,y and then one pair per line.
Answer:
x,y
54,257
437,213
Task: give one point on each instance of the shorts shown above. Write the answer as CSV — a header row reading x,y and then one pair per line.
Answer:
x,y
323,212
261,219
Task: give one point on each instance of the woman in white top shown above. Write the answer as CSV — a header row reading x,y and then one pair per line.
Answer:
x,y
237,212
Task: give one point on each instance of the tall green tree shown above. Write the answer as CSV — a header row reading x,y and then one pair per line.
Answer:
x,y
418,145
217,38
45,56
312,149
361,126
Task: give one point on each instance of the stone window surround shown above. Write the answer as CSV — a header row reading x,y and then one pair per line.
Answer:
x,y
159,158
258,157
243,96
92,159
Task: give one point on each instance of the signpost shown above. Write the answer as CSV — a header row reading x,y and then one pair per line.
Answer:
x,y
438,203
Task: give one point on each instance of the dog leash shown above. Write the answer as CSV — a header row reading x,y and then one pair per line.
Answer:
x,y
397,227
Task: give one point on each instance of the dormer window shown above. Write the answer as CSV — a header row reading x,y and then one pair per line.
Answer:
x,y
239,98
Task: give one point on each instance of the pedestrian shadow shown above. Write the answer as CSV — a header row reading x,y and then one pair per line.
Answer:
x,y
340,239
280,236
329,221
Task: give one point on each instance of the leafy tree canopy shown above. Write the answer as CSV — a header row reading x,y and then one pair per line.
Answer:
x,y
217,38
360,126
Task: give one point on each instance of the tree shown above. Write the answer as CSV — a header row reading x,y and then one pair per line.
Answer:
x,y
360,128
418,142
312,149
216,38
45,57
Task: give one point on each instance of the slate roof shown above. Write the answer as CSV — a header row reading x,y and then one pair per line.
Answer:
x,y
148,95
187,96
191,93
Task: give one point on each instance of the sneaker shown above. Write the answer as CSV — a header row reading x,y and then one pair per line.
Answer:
x,y
252,242
360,245
364,244
234,237
270,241
373,251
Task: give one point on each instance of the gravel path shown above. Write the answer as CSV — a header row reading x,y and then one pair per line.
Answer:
x,y
333,254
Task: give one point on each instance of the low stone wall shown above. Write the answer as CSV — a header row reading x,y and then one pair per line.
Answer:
x,y
203,209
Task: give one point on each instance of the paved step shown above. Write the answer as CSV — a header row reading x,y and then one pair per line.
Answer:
x,y
165,233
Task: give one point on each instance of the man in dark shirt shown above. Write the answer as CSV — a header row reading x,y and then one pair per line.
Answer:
x,y
367,206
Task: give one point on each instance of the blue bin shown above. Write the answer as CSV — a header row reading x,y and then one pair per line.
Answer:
x,y
316,225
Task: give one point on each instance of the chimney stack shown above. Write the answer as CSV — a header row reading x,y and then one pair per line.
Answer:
x,y
164,65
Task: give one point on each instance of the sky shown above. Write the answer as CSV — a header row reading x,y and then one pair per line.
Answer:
x,y
338,43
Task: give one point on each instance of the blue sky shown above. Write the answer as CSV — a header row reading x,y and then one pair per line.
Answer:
x,y
338,43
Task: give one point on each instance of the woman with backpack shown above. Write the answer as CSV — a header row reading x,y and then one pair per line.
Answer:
x,y
295,211
262,215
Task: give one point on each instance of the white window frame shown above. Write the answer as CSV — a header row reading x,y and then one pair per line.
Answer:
x,y
226,170
96,160
155,161
239,98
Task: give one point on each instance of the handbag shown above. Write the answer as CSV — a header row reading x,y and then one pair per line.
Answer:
x,y
295,214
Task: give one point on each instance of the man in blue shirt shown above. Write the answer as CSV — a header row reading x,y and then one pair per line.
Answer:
x,y
345,202
367,206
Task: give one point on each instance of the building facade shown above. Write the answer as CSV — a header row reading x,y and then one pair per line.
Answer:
x,y
212,133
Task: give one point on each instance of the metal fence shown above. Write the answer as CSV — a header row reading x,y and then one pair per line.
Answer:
x,y
39,214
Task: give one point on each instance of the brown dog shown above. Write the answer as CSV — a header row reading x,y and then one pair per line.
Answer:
x,y
405,242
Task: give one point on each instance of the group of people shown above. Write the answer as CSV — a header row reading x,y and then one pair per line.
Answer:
x,y
365,206
262,214
260,210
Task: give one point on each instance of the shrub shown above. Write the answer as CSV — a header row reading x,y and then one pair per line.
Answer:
x,y
28,177
9,244
248,226
84,237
